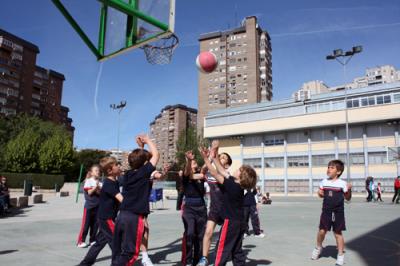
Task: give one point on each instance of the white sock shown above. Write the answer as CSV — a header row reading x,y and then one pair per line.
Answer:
x,y
145,256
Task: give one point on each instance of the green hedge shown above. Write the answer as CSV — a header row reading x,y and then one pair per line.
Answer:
x,y
16,180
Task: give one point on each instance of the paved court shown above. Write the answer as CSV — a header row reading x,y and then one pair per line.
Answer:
x,y
45,234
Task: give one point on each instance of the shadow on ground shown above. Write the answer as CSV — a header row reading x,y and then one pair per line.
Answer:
x,y
329,252
380,246
4,252
16,212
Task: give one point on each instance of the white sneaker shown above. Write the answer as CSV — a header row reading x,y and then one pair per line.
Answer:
x,y
92,243
261,235
316,252
147,262
82,245
245,235
340,260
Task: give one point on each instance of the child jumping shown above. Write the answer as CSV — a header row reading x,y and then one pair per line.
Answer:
x,y
334,191
129,227
194,211
229,245
214,214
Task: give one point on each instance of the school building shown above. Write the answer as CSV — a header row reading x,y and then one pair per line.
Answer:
x,y
290,142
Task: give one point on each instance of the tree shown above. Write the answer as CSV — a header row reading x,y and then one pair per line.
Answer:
x,y
189,140
87,157
21,152
55,154
32,145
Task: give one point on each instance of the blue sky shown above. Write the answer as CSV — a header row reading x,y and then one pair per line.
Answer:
x,y
302,34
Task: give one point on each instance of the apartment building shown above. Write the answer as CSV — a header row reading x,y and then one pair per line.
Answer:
x,y
167,126
26,87
244,73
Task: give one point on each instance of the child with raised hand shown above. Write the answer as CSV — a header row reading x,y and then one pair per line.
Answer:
x,y
144,246
110,198
91,192
129,227
334,191
214,213
232,186
194,212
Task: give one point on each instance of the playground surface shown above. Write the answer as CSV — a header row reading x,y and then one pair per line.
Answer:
x,y
45,234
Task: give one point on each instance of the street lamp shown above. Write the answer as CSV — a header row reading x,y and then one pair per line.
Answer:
x,y
118,107
344,58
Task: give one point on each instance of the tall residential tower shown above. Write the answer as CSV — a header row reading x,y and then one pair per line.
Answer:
x,y
244,73
167,126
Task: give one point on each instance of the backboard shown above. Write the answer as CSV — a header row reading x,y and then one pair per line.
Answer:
x,y
124,24
393,153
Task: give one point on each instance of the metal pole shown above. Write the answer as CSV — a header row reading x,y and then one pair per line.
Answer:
x,y
119,118
130,10
118,107
263,168
76,27
347,123
79,184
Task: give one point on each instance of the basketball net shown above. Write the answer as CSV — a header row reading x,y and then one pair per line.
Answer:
x,y
394,153
160,51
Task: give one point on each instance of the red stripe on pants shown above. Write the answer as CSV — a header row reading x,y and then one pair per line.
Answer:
x,y
183,259
221,243
139,236
82,226
111,225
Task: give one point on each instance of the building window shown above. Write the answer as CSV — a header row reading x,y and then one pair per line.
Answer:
x,y
353,103
377,157
396,97
355,158
254,162
379,100
297,161
322,160
274,162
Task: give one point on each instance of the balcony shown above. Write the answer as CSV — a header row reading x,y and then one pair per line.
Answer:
x,y
15,56
6,44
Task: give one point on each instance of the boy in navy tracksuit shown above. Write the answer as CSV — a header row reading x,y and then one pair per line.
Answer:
x,y
250,211
194,211
110,197
129,227
232,187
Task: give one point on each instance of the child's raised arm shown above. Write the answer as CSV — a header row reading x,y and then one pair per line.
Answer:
x,y
189,157
152,149
216,161
204,153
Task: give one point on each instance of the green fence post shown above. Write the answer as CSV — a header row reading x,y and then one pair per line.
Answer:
x,y
79,184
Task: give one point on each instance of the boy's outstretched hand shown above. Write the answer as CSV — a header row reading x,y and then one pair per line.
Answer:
x,y
215,144
189,155
139,141
204,152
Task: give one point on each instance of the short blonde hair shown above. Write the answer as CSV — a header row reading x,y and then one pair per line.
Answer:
x,y
247,177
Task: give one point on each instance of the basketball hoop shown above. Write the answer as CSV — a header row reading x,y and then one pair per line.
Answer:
x,y
393,153
160,52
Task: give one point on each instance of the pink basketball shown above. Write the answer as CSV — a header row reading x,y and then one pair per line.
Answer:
x,y
206,62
